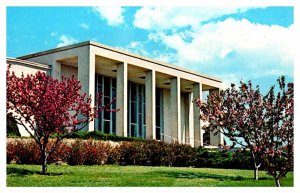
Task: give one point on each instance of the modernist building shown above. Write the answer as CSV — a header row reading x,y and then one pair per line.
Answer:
x,y
155,99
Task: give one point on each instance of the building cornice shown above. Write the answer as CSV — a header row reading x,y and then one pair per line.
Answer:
x,y
96,44
28,63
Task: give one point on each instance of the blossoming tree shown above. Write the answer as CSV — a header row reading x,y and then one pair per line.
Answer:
x,y
264,125
278,152
46,108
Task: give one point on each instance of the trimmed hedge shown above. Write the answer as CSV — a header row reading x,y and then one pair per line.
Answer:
x,y
147,153
101,136
89,135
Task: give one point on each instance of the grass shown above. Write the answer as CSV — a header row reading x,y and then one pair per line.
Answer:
x,y
138,176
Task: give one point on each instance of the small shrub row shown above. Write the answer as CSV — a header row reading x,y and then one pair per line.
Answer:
x,y
148,153
72,152
101,136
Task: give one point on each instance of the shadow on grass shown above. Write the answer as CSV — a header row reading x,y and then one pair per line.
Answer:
x,y
24,172
192,175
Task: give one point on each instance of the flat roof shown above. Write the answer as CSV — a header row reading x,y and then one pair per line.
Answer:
x,y
30,63
96,44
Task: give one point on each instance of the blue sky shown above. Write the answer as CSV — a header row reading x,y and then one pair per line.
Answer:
x,y
231,43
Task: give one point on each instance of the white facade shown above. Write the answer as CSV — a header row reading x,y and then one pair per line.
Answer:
x,y
154,98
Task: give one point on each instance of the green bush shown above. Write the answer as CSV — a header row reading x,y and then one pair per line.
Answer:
x,y
101,136
147,153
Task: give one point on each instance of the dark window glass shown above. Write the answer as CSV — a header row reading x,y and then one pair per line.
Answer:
x,y
107,100
100,121
114,123
157,97
114,93
106,115
133,112
133,93
144,115
136,115
158,131
140,104
158,109
128,131
133,130
157,116
106,119
114,104
140,125
144,130
106,126
107,86
114,83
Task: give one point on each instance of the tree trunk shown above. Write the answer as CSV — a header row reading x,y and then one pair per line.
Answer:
x,y
277,182
255,166
256,173
44,160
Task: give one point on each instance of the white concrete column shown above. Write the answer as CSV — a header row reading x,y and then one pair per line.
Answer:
x,y
198,132
121,116
191,119
150,105
86,75
175,109
56,70
217,139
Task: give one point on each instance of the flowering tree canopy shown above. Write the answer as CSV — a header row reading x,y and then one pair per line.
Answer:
x,y
47,107
252,121
278,152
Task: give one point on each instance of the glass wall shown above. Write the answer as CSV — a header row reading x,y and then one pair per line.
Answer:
x,y
136,110
159,114
106,122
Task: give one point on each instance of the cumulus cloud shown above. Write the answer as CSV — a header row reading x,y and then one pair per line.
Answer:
x,y
113,15
66,40
233,49
137,48
140,48
161,18
84,26
53,34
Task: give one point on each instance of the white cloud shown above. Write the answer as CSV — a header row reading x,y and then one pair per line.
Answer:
x,y
113,15
84,26
66,40
136,47
161,18
234,49
140,49
53,34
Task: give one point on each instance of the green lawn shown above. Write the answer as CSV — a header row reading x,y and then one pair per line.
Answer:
x,y
113,175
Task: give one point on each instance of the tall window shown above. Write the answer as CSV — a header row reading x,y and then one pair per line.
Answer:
x,y
159,113
136,110
106,122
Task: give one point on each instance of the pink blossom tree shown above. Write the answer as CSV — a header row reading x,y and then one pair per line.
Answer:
x,y
278,152
237,114
47,107
253,122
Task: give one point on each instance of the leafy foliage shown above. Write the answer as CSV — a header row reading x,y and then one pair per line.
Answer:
x,y
101,136
147,153
262,124
278,151
47,107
